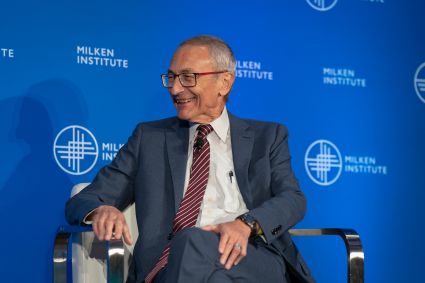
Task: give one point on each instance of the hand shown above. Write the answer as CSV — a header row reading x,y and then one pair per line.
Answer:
x,y
233,241
106,220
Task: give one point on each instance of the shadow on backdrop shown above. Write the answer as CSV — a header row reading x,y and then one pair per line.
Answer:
x,y
34,191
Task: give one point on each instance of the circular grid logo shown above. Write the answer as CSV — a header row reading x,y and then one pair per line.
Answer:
x,y
75,149
323,162
322,5
420,82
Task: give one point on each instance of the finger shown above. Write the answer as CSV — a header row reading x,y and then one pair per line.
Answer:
x,y
118,229
238,259
242,254
109,228
95,229
234,254
127,235
210,228
227,250
223,242
100,223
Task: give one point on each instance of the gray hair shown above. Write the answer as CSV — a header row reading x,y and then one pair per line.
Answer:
x,y
220,52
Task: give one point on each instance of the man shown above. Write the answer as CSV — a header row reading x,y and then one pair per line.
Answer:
x,y
214,194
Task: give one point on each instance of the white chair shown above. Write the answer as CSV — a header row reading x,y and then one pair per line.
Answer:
x,y
90,262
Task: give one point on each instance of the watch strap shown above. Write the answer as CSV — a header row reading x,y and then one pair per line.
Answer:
x,y
250,222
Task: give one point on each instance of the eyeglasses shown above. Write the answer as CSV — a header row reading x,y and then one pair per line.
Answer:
x,y
186,79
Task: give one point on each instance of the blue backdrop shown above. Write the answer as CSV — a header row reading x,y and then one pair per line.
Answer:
x,y
346,76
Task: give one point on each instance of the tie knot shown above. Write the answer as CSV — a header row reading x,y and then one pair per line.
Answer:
x,y
204,130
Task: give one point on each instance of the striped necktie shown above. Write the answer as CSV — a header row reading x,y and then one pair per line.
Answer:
x,y
188,212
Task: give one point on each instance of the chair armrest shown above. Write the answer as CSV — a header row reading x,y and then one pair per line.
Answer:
x,y
352,243
62,266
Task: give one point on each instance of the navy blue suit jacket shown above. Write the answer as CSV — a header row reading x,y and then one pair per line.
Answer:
x,y
150,171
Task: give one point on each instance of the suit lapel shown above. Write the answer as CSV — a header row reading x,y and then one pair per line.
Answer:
x,y
242,144
177,139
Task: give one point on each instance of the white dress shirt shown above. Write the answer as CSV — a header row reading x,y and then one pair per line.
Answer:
x,y
223,201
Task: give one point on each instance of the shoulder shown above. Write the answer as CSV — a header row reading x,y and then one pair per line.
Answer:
x,y
153,132
158,125
261,127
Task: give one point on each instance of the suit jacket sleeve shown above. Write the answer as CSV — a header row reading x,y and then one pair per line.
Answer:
x,y
287,203
113,184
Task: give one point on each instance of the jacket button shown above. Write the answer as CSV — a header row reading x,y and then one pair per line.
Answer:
x,y
276,230
170,236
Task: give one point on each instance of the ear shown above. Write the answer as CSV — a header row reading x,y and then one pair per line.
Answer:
x,y
227,80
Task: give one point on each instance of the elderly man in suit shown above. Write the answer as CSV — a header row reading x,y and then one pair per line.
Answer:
x,y
214,194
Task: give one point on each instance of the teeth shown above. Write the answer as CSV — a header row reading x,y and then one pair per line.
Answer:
x,y
183,100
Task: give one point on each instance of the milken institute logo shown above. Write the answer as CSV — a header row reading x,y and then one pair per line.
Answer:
x,y
323,162
420,82
322,5
75,150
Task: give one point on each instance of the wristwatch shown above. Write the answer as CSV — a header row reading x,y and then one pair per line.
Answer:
x,y
251,222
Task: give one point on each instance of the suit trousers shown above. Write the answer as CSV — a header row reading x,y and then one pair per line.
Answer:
x,y
194,257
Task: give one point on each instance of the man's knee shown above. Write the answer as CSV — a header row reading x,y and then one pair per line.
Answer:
x,y
195,240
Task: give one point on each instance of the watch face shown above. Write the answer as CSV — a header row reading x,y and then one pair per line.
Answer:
x,y
249,219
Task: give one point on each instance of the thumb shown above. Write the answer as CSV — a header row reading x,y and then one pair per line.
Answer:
x,y
127,236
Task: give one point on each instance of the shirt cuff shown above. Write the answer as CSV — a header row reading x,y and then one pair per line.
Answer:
x,y
88,222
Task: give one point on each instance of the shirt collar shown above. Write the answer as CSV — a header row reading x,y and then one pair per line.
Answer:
x,y
220,126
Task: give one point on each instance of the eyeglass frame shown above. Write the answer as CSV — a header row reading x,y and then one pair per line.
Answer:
x,y
164,77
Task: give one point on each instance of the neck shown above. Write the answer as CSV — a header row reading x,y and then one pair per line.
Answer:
x,y
207,119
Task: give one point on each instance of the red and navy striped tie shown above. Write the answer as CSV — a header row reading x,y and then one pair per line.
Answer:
x,y
187,214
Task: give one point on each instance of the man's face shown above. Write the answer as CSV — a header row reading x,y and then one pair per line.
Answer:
x,y
204,102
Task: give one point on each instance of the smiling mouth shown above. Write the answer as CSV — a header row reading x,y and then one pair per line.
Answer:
x,y
183,101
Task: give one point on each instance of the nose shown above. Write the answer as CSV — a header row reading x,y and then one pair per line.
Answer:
x,y
176,88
